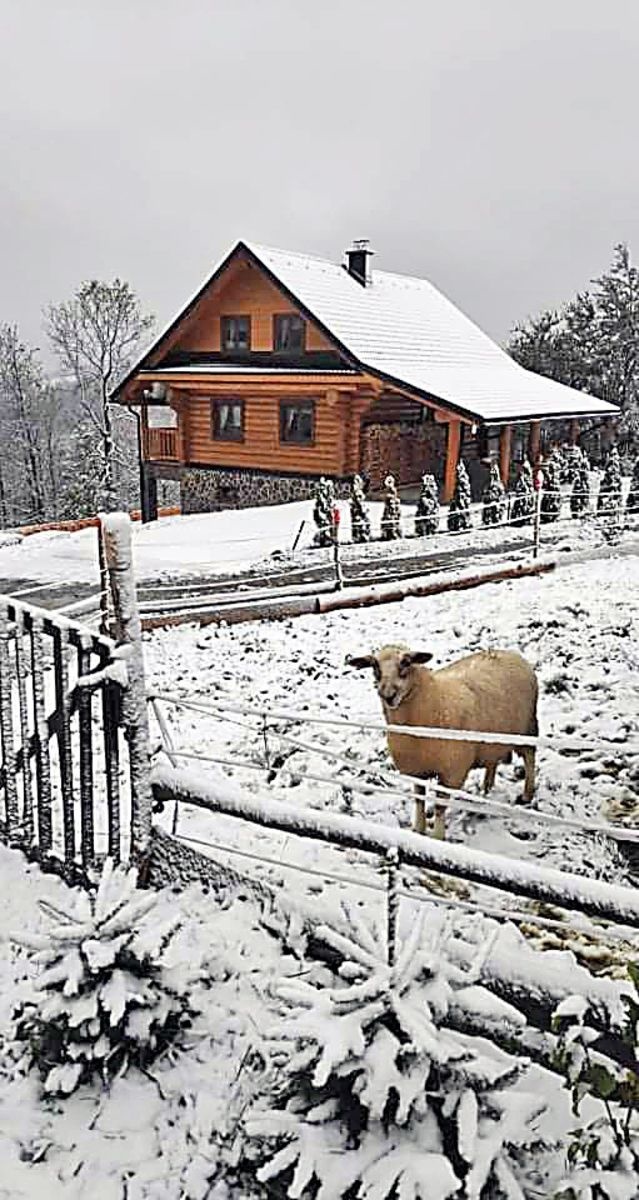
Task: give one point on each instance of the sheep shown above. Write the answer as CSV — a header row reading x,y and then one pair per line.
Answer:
x,y
493,691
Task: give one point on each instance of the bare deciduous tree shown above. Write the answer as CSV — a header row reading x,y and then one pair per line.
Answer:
x,y
96,335
27,415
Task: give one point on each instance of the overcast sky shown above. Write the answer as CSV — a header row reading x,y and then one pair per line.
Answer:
x,y
490,145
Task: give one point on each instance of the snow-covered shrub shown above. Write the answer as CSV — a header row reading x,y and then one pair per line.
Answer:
x,y
375,1097
459,508
572,456
603,1155
632,504
551,491
523,505
323,509
392,512
493,499
360,519
609,498
103,996
427,509
580,492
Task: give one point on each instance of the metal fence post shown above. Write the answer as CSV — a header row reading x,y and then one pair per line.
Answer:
x,y
392,902
537,521
119,562
104,581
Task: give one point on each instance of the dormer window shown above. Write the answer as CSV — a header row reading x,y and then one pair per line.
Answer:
x,y
236,334
289,332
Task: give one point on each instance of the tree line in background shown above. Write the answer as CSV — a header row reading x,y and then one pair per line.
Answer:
x,y
68,452
592,343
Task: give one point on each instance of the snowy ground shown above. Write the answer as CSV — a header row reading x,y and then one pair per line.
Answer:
x,y
578,627
154,1136
151,1138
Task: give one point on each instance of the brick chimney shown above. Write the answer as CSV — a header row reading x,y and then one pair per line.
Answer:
x,y
358,261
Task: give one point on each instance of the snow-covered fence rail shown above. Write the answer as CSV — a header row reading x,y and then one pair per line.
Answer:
x,y
594,898
68,697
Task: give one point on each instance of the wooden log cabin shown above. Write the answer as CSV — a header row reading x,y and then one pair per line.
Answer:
x,y
285,367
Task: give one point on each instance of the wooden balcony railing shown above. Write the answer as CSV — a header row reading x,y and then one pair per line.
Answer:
x,y
162,444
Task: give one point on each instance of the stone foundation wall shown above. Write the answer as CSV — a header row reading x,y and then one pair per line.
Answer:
x,y
212,489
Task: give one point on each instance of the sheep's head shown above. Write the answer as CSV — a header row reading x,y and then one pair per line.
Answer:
x,y
394,671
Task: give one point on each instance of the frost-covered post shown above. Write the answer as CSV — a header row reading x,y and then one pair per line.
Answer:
x,y
128,631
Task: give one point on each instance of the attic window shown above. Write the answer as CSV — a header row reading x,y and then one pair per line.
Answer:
x,y
236,334
289,332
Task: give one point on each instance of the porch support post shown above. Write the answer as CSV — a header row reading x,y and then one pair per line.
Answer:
x,y
505,452
534,442
149,494
574,431
452,458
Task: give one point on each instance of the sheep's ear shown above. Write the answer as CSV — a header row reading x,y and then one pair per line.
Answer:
x,y
360,663
419,657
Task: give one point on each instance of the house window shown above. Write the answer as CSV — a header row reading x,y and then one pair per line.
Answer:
x,y
228,420
297,422
289,332
236,334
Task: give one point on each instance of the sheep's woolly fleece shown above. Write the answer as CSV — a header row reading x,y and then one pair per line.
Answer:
x,y
577,627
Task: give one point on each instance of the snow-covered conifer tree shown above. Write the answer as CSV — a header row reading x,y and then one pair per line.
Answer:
x,y
104,996
427,510
392,512
609,498
632,505
551,490
523,505
580,493
493,499
323,512
360,519
459,509
572,461
374,1096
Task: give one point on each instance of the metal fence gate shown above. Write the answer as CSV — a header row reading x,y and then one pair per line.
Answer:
x,y
74,762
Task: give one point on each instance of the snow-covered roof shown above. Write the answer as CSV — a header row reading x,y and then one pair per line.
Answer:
x,y
405,331
404,328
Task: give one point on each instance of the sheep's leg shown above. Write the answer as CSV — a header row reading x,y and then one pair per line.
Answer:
x,y
419,824
489,777
528,755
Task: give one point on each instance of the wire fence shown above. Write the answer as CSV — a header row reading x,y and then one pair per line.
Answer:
x,y
270,739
